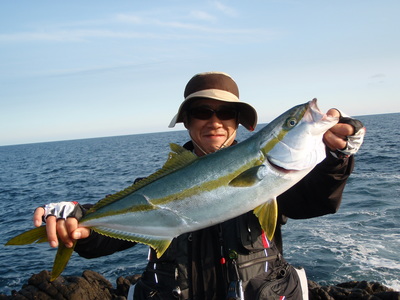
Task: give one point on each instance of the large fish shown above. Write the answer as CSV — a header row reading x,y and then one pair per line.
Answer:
x,y
190,192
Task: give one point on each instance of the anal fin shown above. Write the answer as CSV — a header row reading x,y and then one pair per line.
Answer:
x,y
159,244
267,215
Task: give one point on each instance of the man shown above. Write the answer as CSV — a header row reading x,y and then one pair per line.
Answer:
x,y
234,259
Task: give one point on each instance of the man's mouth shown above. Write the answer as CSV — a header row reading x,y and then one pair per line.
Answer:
x,y
214,135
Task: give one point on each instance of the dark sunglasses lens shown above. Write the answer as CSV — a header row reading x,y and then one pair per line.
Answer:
x,y
201,113
226,114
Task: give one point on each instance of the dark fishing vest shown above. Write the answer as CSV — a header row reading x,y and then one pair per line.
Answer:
x,y
203,264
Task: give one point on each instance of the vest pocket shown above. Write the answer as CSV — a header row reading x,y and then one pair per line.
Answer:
x,y
144,291
283,282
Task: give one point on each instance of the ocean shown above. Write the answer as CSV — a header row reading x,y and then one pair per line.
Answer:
x,y
360,242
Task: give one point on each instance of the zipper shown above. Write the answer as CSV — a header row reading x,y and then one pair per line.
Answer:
x,y
256,261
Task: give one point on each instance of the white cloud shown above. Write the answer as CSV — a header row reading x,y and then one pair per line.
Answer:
x,y
152,26
178,31
69,35
201,15
129,18
378,76
229,11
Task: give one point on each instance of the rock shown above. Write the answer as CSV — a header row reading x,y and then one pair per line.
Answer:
x,y
352,290
123,284
90,285
93,286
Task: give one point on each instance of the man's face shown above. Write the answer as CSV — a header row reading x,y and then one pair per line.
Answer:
x,y
208,129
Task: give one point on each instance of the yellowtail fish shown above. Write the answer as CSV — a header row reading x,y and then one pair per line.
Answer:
x,y
190,193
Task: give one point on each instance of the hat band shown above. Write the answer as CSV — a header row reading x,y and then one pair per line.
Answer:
x,y
215,94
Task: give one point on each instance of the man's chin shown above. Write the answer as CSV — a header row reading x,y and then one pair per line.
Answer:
x,y
214,147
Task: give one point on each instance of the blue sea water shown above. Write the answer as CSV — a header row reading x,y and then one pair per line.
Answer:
x,y
360,242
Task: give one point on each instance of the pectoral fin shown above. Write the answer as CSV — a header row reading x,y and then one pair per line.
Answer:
x,y
267,215
249,177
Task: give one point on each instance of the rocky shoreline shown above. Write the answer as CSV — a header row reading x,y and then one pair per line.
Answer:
x,y
93,286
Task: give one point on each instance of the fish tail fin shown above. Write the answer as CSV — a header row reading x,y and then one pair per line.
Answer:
x,y
35,235
267,215
60,262
39,235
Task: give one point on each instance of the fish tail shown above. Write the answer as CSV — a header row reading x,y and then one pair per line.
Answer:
x,y
60,262
39,235
36,235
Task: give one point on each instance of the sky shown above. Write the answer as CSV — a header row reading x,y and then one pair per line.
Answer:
x,y
95,68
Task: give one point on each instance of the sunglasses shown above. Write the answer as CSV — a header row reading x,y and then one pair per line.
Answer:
x,y
205,113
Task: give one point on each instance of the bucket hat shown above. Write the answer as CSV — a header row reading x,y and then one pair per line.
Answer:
x,y
218,86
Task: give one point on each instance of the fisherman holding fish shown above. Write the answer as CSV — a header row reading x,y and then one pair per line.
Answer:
x,y
237,258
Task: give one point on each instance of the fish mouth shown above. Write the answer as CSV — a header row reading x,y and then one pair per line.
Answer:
x,y
314,115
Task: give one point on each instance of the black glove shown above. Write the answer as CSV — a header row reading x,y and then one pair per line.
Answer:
x,y
354,141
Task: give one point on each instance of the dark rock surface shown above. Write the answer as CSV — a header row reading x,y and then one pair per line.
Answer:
x,y
352,290
90,285
93,286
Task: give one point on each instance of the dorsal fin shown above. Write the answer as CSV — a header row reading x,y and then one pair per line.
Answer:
x,y
178,158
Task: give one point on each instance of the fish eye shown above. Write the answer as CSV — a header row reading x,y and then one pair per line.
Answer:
x,y
291,122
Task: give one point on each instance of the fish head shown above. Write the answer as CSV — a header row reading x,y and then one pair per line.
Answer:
x,y
295,143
